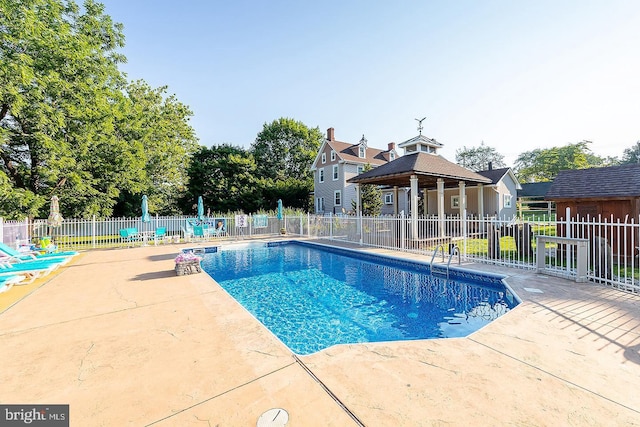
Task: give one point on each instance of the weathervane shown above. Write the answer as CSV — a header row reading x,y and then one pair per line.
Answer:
x,y
420,124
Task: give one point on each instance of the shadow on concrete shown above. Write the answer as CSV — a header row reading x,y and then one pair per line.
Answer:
x,y
164,257
156,275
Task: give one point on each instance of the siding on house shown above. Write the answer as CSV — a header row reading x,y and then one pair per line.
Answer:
x,y
348,161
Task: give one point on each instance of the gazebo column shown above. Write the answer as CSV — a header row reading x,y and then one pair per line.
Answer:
x,y
395,200
425,200
463,207
481,208
414,206
440,187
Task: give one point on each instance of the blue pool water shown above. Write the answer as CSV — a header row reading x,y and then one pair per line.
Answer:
x,y
314,297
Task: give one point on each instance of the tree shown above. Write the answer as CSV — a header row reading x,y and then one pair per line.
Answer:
x,y
631,155
59,83
286,148
284,151
225,177
478,158
541,165
370,197
159,125
70,126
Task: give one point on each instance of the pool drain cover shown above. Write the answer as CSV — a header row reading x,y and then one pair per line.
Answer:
x,y
276,417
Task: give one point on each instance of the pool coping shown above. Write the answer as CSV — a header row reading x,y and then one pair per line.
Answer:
x,y
123,340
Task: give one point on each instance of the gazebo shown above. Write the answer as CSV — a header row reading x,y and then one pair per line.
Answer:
x,y
421,167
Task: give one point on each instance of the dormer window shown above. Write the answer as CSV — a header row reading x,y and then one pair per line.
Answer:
x,y
362,149
324,158
392,156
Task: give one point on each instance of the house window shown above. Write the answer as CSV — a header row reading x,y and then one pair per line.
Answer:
x,y
360,169
455,202
507,200
388,198
361,152
333,155
335,172
324,158
321,175
392,155
320,204
337,198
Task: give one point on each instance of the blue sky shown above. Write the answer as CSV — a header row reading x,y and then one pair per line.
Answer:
x,y
518,75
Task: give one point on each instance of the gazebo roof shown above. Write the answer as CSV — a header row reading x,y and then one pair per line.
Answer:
x,y
427,167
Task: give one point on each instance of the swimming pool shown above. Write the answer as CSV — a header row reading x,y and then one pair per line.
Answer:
x,y
312,296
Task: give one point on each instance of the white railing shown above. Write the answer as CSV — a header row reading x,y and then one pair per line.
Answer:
x,y
93,233
612,245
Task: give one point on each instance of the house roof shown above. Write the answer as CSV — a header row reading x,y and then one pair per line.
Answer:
x,y
495,175
534,189
596,183
427,167
349,153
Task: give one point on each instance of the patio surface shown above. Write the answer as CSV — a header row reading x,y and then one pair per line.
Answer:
x,y
125,342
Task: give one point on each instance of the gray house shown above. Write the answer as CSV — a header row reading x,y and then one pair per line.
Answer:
x,y
336,163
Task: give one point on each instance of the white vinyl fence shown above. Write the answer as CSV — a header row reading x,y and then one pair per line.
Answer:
x,y
611,255
81,234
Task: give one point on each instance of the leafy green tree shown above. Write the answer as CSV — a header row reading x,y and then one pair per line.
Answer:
x,y
284,151
225,177
541,165
59,91
370,197
158,126
286,148
478,158
631,155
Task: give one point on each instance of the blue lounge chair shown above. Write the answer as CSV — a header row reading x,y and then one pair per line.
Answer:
x,y
31,269
18,256
7,282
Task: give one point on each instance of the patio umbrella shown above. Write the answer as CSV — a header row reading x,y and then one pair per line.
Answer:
x,y
200,208
145,210
279,208
55,219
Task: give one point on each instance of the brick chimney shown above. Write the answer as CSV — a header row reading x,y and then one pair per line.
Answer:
x,y
330,136
392,146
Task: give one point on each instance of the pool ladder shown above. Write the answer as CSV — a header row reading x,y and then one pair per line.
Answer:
x,y
453,250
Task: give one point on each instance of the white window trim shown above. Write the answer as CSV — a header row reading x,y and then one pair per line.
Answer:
x,y
388,198
321,175
333,155
360,169
506,200
324,158
335,172
392,156
455,202
337,198
362,152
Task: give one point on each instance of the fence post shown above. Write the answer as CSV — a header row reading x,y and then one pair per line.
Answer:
x,y
93,231
403,234
330,226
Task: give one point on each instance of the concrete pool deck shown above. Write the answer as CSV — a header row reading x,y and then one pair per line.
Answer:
x,y
125,342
